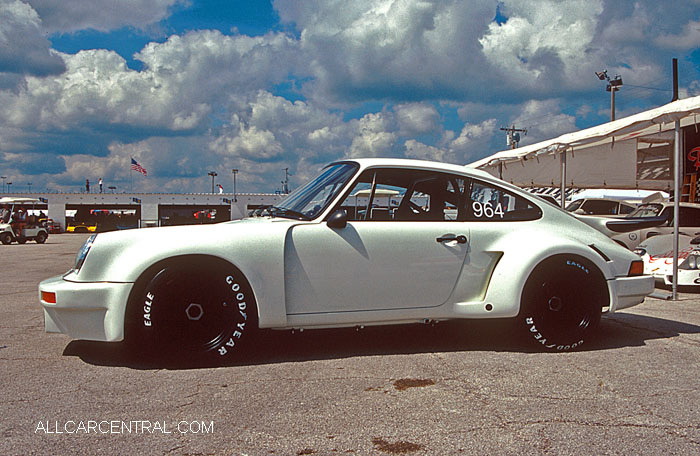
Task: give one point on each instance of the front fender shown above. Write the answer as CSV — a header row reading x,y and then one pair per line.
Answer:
x,y
255,247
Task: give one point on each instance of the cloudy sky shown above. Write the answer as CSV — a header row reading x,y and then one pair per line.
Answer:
x,y
192,86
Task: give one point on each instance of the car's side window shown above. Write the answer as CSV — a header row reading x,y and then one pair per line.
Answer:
x,y
689,216
600,207
489,203
406,195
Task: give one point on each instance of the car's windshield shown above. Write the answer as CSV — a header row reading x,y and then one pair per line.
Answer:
x,y
310,200
646,210
574,206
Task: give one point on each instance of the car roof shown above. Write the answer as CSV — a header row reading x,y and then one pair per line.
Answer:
x,y
425,164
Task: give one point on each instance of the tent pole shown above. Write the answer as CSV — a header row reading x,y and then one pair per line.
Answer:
x,y
563,179
676,204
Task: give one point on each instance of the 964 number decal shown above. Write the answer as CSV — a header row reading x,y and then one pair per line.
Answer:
x,y
487,210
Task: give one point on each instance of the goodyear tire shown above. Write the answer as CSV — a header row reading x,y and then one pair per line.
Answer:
x,y
196,307
561,303
6,238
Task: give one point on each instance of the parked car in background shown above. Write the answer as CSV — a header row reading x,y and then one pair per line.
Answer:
x,y
657,254
600,206
81,227
451,243
53,226
689,222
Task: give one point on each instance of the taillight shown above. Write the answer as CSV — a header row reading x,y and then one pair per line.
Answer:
x,y
636,268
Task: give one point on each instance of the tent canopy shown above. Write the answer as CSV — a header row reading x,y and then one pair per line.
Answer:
x,y
632,152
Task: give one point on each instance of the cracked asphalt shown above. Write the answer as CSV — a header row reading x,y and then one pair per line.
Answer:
x,y
455,388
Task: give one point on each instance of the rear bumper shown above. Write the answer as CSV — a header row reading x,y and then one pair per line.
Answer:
x,y
85,310
629,291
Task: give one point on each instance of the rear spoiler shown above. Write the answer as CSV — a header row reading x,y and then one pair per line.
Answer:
x,y
612,226
626,225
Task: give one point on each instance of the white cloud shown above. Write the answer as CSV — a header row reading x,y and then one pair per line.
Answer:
x,y
23,48
416,118
543,120
103,15
390,49
688,38
184,77
541,38
373,137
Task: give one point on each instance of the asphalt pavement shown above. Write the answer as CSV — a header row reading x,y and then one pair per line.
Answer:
x,y
454,388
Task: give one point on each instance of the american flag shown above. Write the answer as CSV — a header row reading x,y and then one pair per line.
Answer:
x,y
136,167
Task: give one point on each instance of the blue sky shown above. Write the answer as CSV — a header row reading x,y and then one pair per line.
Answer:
x,y
189,86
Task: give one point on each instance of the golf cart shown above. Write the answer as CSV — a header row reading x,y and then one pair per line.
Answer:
x,y
17,225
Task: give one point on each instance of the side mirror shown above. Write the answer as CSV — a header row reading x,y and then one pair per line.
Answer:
x,y
338,219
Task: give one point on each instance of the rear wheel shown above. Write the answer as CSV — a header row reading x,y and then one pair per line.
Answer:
x,y
40,237
561,302
6,238
199,307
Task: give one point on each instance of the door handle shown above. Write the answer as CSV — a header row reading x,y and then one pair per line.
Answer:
x,y
461,239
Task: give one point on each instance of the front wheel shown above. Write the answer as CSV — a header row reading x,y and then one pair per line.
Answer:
x,y
6,238
561,302
198,307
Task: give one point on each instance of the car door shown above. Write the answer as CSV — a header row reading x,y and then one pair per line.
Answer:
x,y
403,247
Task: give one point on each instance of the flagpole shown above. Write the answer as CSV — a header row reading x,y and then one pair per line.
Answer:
x,y
131,178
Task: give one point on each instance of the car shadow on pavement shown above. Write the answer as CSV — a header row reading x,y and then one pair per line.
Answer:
x,y
271,347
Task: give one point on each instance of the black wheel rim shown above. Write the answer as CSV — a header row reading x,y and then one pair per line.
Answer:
x,y
562,307
195,311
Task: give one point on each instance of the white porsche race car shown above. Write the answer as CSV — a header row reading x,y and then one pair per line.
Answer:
x,y
366,242
657,254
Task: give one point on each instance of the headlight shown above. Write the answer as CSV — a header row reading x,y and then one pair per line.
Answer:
x,y
82,253
640,252
691,262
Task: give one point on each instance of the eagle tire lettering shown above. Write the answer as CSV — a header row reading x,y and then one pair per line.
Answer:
x,y
147,304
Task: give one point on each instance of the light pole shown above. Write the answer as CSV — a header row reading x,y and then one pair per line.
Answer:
x,y
234,171
285,182
3,183
112,187
8,186
29,186
213,175
613,86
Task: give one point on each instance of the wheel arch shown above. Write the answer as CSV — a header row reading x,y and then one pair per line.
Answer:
x,y
517,265
147,274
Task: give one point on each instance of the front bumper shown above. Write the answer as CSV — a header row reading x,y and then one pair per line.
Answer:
x,y
685,277
629,291
85,310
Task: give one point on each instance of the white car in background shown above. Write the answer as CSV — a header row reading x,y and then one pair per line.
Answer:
x,y
452,243
600,206
689,222
657,254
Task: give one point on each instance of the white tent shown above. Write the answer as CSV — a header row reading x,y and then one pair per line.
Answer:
x,y
638,152
634,152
